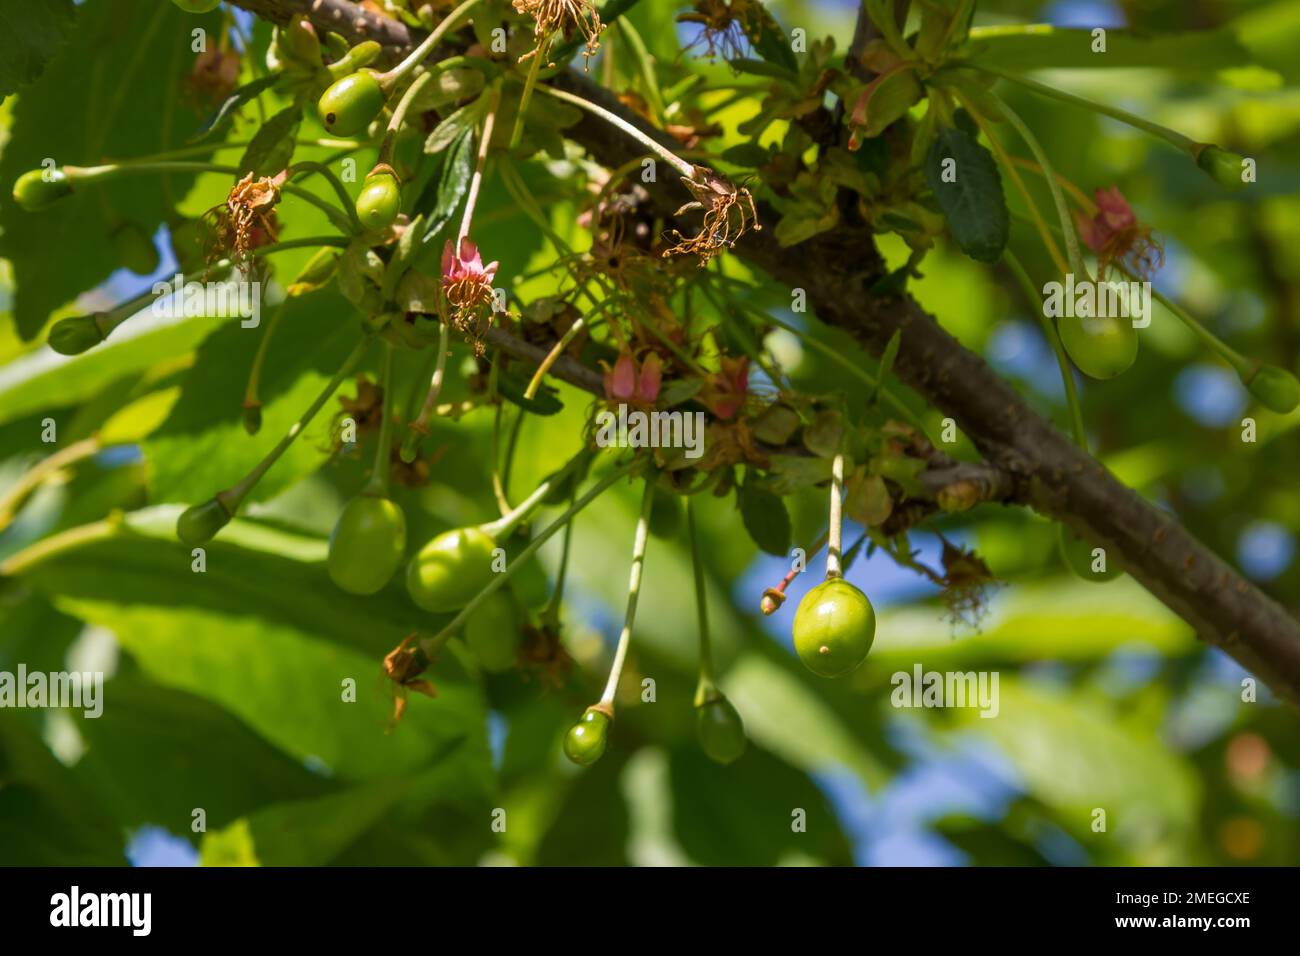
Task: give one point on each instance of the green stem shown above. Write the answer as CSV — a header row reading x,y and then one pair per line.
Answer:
x,y
633,592
701,607
418,428
502,527
485,140
377,487
1058,198
232,497
259,358
551,612
679,164
642,56
18,492
526,96
1172,137
310,166
393,76
836,527
399,116
433,644
1053,337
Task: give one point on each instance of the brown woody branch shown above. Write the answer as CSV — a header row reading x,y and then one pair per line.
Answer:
x,y
1048,472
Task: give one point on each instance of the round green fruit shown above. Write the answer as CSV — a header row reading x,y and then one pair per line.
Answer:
x,y
197,6
1224,168
492,633
1099,347
586,740
450,570
1086,561
720,730
75,335
37,189
199,524
833,628
367,544
1275,388
380,201
349,105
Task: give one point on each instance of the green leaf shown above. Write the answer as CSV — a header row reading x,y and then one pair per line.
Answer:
x,y
244,94
203,447
768,39
883,101
791,472
765,518
272,147
115,89
972,202
441,198
1044,47
30,35
455,126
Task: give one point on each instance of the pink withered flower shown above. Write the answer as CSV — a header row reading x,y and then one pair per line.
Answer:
x,y
467,284
626,383
728,388
1115,235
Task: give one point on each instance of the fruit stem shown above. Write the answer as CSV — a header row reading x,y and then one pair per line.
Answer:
x,y
17,493
417,429
1049,329
502,527
485,139
1172,137
399,117
377,486
92,174
1062,211
551,612
310,166
393,76
706,685
667,155
526,96
435,643
231,498
836,526
251,400
633,592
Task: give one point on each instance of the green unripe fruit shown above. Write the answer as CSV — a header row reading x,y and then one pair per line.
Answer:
x,y
199,524
197,6
73,336
37,189
720,730
450,570
349,105
380,201
1089,562
665,514
833,628
367,544
1225,168
1099,347
492,633
301,42
134,249
585,742
1275,388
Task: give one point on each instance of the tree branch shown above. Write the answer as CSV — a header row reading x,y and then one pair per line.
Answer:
x,y
1048,472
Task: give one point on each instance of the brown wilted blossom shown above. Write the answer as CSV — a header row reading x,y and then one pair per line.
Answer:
x,y
729,213
543,657
724,25
213,77
1115,235
568,17
249,208
403,665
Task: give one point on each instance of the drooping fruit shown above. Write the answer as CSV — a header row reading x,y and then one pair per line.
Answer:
x,y
37,189
1275,388
834,626
1089,562
449,570
720,730
199,524
1099,347
585,742
492,633
380,200
74,335
348,105
1224,168
367,544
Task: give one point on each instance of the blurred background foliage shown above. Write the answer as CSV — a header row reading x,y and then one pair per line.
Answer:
x,y
224,688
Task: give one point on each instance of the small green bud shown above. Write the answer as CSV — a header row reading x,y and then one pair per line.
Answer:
x,y
75,335
1275,388
199,524
350,104
585,742
1225,168
380,199
38,188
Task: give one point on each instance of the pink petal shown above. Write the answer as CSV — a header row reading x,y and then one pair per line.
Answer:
x,y
490,270
651,374
448,258
624,377
469,254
